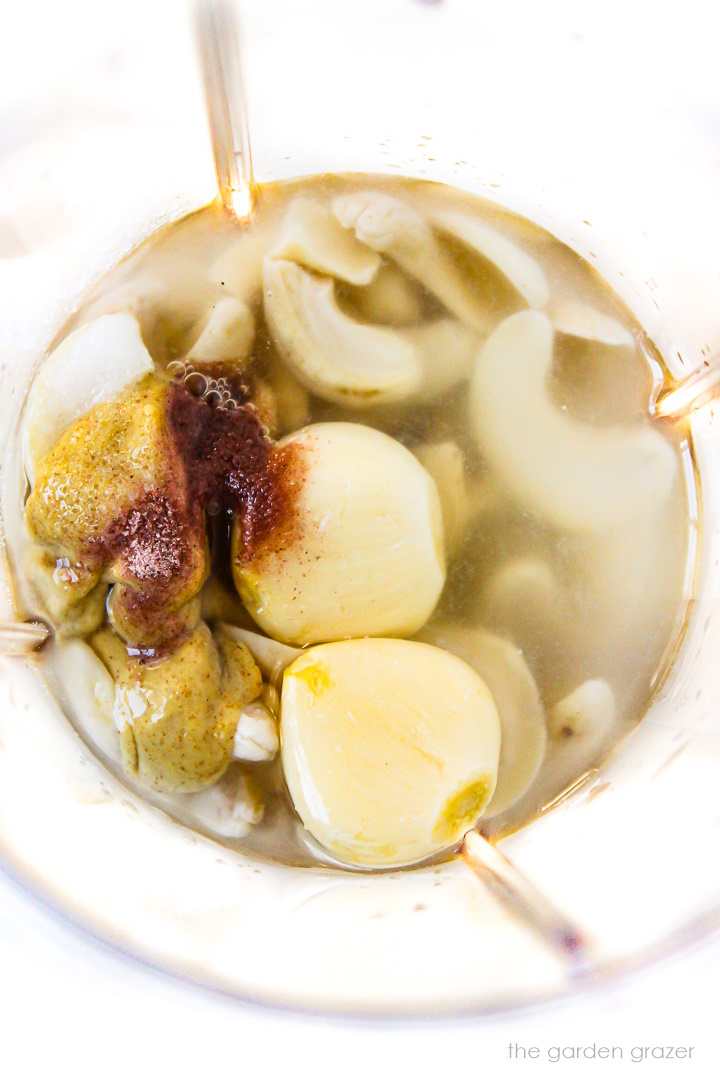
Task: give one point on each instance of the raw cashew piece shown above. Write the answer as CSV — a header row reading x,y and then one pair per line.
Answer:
x,y
588,713
313,237
337,358
256,736
397,230
91,366
90,691
572,474
578,320
514,264
444,461
227,334
390,748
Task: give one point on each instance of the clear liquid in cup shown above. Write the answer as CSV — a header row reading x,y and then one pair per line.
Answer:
x,y
483,478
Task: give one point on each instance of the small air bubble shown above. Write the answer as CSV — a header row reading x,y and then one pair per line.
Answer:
x,y
176,369
196,383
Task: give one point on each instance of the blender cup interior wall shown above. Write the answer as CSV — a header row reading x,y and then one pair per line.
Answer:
x,y
630,854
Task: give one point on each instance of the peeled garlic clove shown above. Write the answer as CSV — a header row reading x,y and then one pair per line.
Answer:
x,y
313,237
588,713
393,228
91,366
522,720
227,335
390,298
390,748
579,320
447,351
363,552
90,691
572,474
337,358
514,264
272,657
444,462
256,737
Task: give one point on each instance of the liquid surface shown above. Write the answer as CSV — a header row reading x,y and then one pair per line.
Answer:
x,y
596,604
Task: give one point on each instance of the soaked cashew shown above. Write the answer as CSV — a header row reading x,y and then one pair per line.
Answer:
x,y
519,268
91,366
572,474
445,463
393,228
337,358
313,237
256,736
576,319
227,333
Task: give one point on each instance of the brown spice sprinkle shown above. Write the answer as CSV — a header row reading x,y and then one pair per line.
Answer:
x,y
231,463
126,492
226,463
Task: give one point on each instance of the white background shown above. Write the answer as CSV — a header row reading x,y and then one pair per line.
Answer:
x,y
70,1007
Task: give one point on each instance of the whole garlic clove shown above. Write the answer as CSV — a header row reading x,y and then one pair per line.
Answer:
x,y
93,365
390,748
575,319
522,719
227,334
397,230
337,358
363,552
445,463
572,474
519,268
312,236
256,736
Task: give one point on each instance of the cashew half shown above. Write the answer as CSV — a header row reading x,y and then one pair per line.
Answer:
x,y
447,351
91,366
393,228
514,264
574,475
444,461
313,237
227,333
576,319
272,657
334,356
